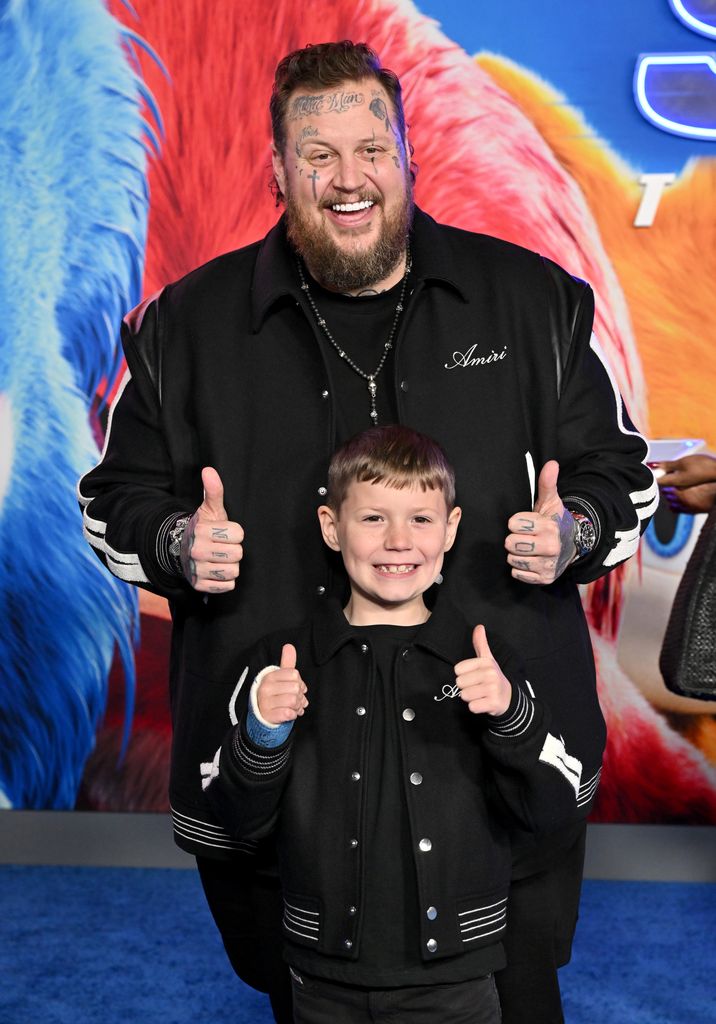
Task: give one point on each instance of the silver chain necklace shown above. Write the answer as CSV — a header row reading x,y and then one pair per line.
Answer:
x,y
371,378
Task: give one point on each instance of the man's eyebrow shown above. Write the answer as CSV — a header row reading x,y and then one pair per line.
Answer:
x,y
316,140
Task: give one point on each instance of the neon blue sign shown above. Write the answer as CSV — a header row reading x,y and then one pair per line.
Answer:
x,y
698,15
677,92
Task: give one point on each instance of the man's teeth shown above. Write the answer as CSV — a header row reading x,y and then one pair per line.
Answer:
x,y
396,570
352,207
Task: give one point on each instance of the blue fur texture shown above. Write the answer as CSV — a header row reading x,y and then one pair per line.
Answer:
x,y
73,214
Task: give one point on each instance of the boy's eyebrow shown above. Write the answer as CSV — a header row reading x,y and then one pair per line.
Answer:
x,y
386,508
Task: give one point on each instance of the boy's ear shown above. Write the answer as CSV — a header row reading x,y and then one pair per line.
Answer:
x,y
328,519
452,525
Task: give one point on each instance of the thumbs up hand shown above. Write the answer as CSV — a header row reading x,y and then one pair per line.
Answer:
x,y
482,684
211,545
281,695
540,543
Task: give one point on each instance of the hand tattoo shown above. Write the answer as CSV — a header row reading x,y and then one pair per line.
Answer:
x,y
567,550
524,547
219,533
217,574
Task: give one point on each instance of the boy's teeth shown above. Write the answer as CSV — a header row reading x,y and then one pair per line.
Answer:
x,y
395,569
352,207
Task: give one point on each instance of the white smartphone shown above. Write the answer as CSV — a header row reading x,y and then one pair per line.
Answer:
x,y
670,449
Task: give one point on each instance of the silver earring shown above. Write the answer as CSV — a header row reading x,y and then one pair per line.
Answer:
x,y
439,578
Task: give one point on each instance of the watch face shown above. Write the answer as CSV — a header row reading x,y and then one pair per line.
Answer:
x,y
586,536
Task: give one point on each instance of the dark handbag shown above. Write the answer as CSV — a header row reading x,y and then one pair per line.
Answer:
x,y
688,651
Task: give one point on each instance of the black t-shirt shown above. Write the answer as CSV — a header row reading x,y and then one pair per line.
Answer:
x,y
361,326
390,953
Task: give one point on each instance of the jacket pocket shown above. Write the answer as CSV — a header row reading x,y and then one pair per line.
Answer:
x,y
481,920
302,919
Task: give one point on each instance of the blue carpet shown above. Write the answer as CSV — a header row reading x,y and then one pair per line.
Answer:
x,y
111,946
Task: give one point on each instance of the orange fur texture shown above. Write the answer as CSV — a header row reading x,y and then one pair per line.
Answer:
x,y
667,271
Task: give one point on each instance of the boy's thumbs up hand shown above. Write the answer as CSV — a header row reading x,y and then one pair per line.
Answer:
x,y
211,545
479,642
288,656
281,694
482,684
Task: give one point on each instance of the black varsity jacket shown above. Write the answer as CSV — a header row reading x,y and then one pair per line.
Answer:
x,y
465,778
494,357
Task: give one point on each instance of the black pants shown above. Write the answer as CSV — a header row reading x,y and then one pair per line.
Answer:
x,y
245,900
244,897
317,1001
541,918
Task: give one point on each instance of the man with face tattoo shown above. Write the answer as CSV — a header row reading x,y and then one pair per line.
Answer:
x,y
355,309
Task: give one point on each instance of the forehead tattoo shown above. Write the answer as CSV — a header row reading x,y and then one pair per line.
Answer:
x,y
310,105
379,109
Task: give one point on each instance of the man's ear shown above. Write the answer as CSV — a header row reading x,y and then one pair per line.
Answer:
x,y
452,525
278,168
328,520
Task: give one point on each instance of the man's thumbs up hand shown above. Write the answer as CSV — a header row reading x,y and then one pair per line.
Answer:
x,y
211,545
212,507
281,695
540,543
482,684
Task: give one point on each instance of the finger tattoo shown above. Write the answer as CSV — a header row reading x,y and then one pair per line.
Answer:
x,y
219,533
524,547
219,554
217,574
527,525
522,565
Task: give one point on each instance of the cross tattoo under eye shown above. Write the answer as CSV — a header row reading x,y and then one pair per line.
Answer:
x,y
314,178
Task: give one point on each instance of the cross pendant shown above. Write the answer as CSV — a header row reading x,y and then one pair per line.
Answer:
x,y
373,388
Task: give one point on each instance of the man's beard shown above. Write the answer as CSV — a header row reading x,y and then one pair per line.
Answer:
x,y
348,270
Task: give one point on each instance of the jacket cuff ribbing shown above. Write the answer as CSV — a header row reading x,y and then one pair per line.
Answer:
x,y
255,762
517,719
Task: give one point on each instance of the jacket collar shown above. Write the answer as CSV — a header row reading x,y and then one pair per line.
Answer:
x,y
446,633
275,273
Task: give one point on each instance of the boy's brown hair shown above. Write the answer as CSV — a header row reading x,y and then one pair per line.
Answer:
x,y
394,455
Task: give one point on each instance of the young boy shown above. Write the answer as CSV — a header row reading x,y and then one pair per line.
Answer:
x,y
388,745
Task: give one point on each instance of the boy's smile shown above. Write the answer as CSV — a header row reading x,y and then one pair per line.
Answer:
x,y
392,542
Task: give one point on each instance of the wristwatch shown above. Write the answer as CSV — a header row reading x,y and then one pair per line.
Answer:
x,y
175,539
585,535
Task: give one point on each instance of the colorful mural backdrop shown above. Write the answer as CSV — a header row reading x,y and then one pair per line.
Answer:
x,y
134,144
